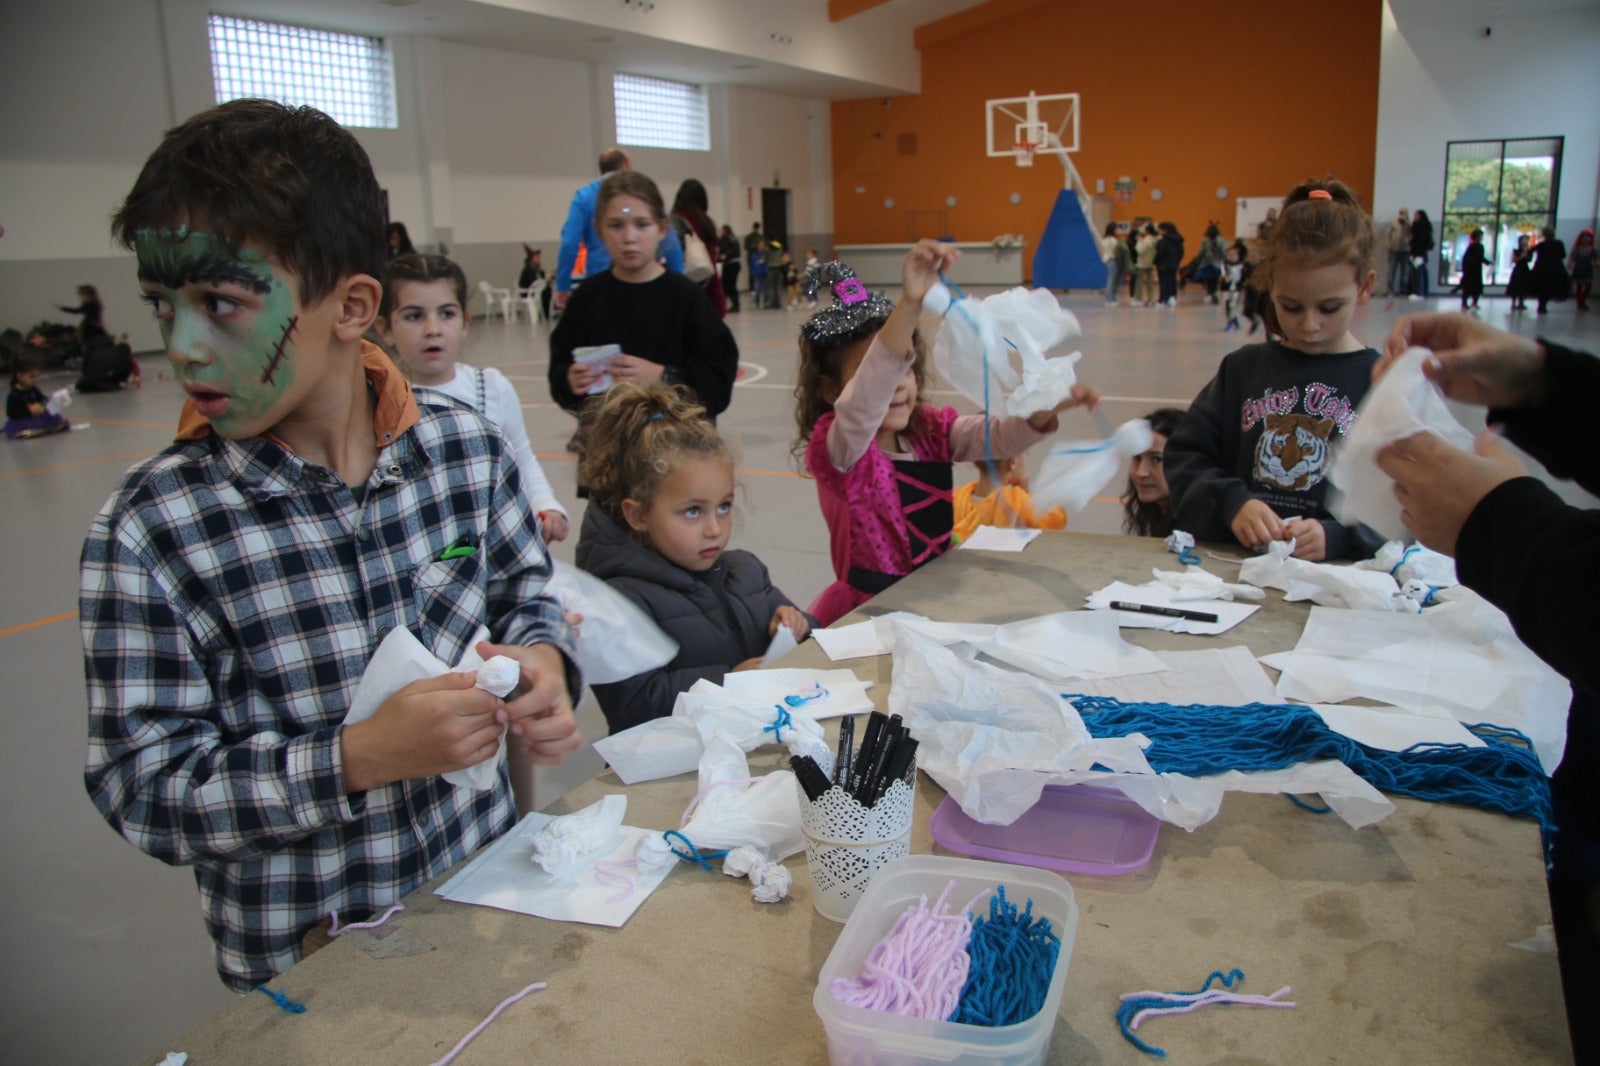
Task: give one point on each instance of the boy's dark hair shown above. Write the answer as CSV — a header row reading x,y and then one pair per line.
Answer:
x,y
1151,519
423,268
290,180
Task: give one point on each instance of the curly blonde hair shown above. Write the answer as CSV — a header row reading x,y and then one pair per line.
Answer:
x,y
635,437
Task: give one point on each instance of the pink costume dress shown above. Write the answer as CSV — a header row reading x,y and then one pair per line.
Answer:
x,y
889,514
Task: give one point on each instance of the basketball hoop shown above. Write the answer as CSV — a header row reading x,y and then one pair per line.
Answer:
x,y
1025,150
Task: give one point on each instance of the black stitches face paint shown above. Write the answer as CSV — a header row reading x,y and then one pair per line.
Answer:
x,y
229,321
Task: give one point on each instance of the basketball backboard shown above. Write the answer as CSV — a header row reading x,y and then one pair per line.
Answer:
x,y
1021,127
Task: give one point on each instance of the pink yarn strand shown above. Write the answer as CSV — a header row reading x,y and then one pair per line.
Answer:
x,y
335,929
537,986
610,873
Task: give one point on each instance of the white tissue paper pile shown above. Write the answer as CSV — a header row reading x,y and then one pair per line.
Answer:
x,y
1072,472
561,845
996,763
616,640
59,401
1401,403
995,351
734,810
769,880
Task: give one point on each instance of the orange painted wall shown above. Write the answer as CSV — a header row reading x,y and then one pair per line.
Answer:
x,y
1184,96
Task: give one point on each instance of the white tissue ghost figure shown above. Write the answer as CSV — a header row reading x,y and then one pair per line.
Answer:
x,y
499,676
995,350
560,845
1073,471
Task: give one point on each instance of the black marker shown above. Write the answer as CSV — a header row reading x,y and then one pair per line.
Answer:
x,y
1165,612
870,739
899,763
812,779
847,743
867,789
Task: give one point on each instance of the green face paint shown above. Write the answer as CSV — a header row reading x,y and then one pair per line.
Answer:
x,y
228,319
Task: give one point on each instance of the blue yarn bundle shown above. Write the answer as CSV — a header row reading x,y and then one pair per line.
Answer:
x,y
1199,740
1013,960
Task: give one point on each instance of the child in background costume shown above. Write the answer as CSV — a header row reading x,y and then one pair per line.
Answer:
x,y
424,319
27,407
1581,264
980,503
1255,446
657,530
880,458
1235,272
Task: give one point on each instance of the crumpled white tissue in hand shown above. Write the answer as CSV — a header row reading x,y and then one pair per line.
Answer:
x,y
616,640
1399,404
1072,472
769,880
1197,584
565,840
499,676
994,350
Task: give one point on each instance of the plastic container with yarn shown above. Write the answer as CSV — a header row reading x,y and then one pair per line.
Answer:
x,y
847,843
857,1035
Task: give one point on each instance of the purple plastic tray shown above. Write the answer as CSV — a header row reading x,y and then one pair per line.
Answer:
x,y
1077,828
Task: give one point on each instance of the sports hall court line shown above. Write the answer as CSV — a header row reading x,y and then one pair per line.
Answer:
x,y
36,623
125,457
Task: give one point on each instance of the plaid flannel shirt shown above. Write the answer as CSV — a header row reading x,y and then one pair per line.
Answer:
x,y
231,596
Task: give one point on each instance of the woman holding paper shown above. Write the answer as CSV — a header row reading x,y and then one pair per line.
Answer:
x,y
1535,557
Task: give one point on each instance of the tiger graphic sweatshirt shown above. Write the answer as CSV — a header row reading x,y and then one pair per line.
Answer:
x,y
1264,428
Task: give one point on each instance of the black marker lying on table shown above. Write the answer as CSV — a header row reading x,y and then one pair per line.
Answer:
x,y
1165,612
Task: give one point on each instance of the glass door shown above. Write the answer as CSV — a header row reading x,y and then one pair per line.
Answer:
x,y
1505,188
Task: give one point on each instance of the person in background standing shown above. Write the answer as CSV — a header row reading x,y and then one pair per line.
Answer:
x,y
1108,256
399,240
1520,287
1421,252
1169,257
1472,270
689,208
753,242
1581,264
1208,260
1550,278
1399,245
728,256
579,232
89,306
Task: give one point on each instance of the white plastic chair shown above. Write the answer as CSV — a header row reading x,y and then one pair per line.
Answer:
x,y
488,300
533,299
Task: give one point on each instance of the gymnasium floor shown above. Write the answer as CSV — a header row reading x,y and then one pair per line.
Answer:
x,y
106,957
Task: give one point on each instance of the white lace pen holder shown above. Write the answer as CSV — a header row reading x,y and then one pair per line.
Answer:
x,y
847,843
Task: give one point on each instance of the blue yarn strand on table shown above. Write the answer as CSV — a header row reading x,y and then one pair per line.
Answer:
x,y
1200,740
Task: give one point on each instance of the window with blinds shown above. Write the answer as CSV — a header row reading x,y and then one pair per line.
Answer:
x,y
350,77
656,113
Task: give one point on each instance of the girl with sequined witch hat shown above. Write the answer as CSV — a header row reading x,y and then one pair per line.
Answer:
x,y
881,459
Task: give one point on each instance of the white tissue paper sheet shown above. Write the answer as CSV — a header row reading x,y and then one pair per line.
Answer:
x,y
842,691
1395,728
876,636
997,350
1072,472
1000,539
1156,594
616,640
1222,677
993,739
666,747
1399,404
400,660
561,844
1459,658
505,877
1193,583
59,401
1068,644
781,644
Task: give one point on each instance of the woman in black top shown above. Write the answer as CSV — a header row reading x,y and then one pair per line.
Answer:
x,y
1421,247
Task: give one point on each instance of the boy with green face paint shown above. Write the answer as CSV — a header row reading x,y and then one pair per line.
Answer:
x,y
234,587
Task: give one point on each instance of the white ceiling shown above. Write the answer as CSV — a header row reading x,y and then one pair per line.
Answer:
x,y
590,32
